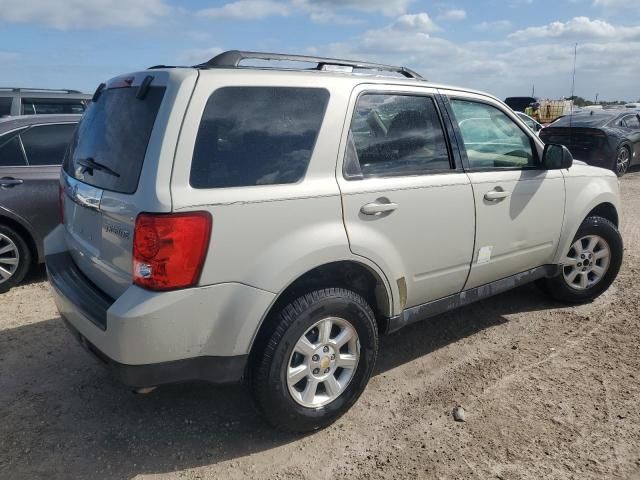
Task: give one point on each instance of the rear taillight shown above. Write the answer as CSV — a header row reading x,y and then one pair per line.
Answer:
x,y
169,249
60,204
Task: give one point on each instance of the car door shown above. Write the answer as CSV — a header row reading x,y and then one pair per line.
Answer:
x,y
13,167
519,205
406,206
29,185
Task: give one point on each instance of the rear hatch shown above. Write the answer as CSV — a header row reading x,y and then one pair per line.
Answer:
x,y
118,165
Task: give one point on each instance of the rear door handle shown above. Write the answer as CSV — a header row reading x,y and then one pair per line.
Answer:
x,y
9,182
376,208
496,194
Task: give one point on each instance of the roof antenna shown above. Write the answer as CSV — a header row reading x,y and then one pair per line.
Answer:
x,y
573,83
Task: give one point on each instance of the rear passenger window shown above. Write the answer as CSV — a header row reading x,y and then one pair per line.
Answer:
x,y
395,135
48,106
257,136
46,144
11,152
5,106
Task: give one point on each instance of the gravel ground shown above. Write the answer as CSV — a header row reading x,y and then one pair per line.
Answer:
x,y
549,391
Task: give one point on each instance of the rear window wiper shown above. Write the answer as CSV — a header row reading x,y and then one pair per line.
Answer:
x,y
90,165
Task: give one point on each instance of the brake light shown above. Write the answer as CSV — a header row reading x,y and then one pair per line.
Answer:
x,y
60,204
169,249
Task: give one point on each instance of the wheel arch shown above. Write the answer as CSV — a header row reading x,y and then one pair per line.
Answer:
x,y
351,274
24,231
606,210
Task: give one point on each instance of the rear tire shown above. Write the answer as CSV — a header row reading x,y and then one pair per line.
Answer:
x,y
591,265
301,378
623,161
15,258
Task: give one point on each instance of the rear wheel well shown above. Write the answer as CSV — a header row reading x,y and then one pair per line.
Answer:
x,y
24,233
605,210
345,274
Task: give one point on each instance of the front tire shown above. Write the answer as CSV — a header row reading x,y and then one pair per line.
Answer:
x,y
15,258
315,360
592,263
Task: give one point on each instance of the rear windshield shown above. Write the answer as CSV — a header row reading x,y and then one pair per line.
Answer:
x,y
252,136
110,143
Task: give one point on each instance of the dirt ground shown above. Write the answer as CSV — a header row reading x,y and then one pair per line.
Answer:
x,y
550,392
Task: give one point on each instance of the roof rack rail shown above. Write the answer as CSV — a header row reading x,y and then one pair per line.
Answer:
x,y
18,89
232,58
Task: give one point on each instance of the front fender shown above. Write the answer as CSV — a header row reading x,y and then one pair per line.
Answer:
x,y
585,191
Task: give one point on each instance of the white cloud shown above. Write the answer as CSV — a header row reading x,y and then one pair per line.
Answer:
x,y
453,15
387,7
615,4
84,14
198,55
419,22
497,25
325,16
578,28
247,10
6,57
505,68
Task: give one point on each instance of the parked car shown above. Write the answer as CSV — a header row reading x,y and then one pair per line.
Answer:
x,y
39,101
530,122
519,104
31,151
224,222
606,138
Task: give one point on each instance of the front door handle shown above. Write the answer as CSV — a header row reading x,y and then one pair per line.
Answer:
x,y
10,182
496,194
377,208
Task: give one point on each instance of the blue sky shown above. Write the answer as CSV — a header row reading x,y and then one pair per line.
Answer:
x,y
501,46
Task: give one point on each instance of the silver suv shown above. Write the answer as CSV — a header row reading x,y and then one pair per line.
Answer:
x,y
226,222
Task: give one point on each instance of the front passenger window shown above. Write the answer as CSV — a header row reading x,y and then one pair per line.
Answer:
x,y
491,138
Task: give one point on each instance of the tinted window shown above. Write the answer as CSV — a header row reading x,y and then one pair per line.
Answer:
x,y
46,144
49,106
5,106
631,121
395,135
114,132
11,151
491,138
257,136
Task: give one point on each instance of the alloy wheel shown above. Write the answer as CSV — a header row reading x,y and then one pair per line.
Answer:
x,y
622,161
323,362
9,258
587,262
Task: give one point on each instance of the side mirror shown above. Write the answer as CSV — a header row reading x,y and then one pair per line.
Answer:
x,y
556,157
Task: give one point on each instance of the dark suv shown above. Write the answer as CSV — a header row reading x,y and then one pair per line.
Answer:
x,y
31,151
41,101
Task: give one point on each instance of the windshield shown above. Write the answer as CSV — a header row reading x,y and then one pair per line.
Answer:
x,y
110,143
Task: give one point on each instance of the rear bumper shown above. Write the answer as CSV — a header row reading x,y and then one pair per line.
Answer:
x,y
209,369
153,338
